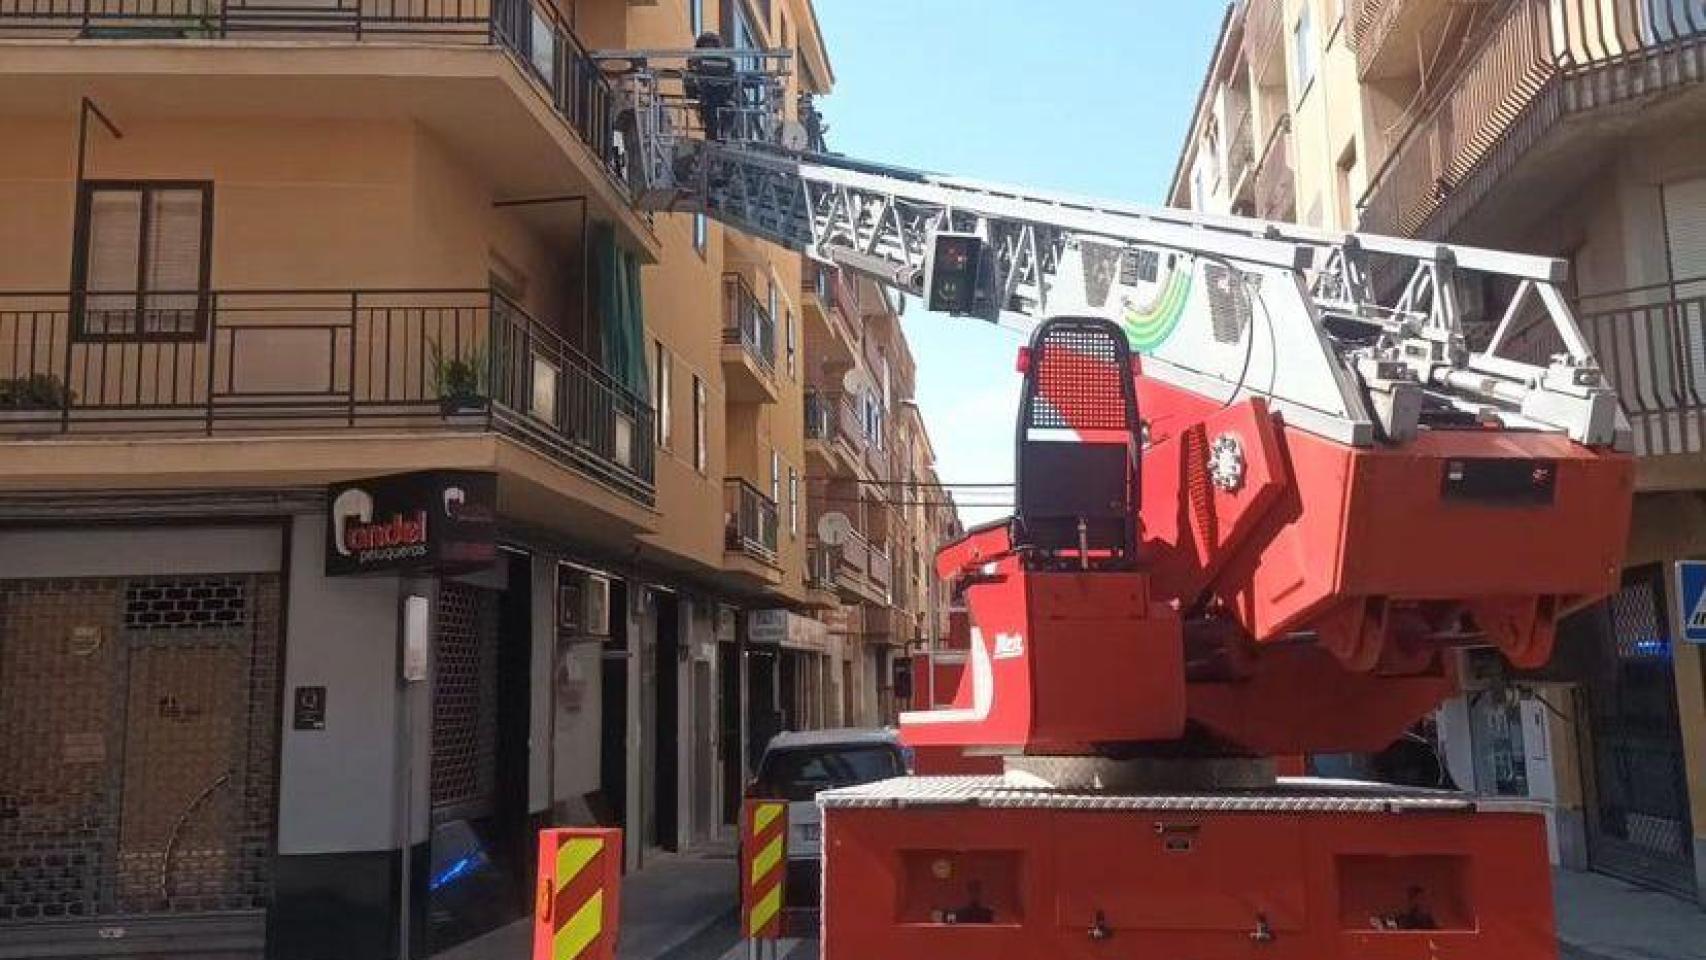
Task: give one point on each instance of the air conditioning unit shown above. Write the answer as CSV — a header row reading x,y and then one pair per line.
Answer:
x,y
583,603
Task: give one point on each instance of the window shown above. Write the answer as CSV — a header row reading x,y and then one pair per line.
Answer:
x,y
791,335
742,36
660,393
1303,49
1345,202
793,502
699,444
772,303
1199,192
141,261
701,233
695,17
775,477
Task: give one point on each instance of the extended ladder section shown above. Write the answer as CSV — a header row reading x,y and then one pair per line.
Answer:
x,y
1355,337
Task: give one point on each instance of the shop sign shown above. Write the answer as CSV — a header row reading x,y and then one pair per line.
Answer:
x,y
786,629
432,521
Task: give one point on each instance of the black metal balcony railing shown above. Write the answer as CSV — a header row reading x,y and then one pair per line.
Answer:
x,y
1542,60
832,415
750,522
539,38
835,296
1276,185
820,417
1651,343
1240,148
746,323
1262,29
268,361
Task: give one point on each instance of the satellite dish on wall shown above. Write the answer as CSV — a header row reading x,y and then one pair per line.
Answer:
x,y
834,528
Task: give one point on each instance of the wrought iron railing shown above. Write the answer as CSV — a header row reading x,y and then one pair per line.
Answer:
x,y
1240,148
1276,185
1540,60
820,417
835,297
750,520
746,323
1651,343
540,39
1262,29
881,568
832,415
1370,22
266,361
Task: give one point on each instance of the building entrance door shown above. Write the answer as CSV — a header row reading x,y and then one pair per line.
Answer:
x,y
138,744
1638,823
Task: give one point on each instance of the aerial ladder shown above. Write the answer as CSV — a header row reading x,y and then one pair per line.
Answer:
x,y
1270,482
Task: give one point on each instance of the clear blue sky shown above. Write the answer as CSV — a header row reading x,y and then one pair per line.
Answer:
x,y
1094,101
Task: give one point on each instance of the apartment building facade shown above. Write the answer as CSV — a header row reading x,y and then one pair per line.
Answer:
x,y
876,510
1575,130
376,485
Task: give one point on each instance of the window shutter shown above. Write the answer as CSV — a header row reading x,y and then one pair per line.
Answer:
x,y
111,256
172,278
1685,221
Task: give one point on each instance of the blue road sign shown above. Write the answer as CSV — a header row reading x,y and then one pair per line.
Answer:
x,y
1691,596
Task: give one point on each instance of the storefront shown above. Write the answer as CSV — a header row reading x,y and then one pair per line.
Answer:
x,y
139,680
325,724
799,650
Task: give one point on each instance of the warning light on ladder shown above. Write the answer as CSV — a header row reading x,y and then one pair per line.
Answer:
x,y
953,272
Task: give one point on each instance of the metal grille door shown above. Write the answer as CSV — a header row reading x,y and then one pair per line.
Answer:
x,y
138,727
1639,826
464,703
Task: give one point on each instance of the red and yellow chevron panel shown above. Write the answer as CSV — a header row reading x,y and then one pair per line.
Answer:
x,y
580,882
764,865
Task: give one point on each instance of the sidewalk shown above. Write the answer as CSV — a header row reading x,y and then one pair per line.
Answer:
x,y
1602,918
666,905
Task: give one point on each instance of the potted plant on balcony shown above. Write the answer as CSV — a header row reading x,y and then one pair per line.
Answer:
x,y
460,381
22,399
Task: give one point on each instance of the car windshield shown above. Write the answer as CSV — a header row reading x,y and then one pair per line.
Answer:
x,y
799,773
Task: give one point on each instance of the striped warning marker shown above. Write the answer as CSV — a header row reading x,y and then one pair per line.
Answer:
x,y
580,872
764,860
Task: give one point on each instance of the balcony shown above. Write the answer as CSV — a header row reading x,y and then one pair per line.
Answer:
x,y
749,344
504,83
835,435
1385,34
749,532
1651,343
1241,152
830,328
1530,82
851,567
1262,31
1276,186
399,364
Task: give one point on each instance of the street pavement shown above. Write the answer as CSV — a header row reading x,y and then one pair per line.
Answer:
x,y
1602,918
681,906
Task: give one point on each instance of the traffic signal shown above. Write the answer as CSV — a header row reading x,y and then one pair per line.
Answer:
x,y
953,273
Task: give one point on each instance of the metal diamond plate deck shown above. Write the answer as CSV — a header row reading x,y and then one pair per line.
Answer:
x,y
1290,795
